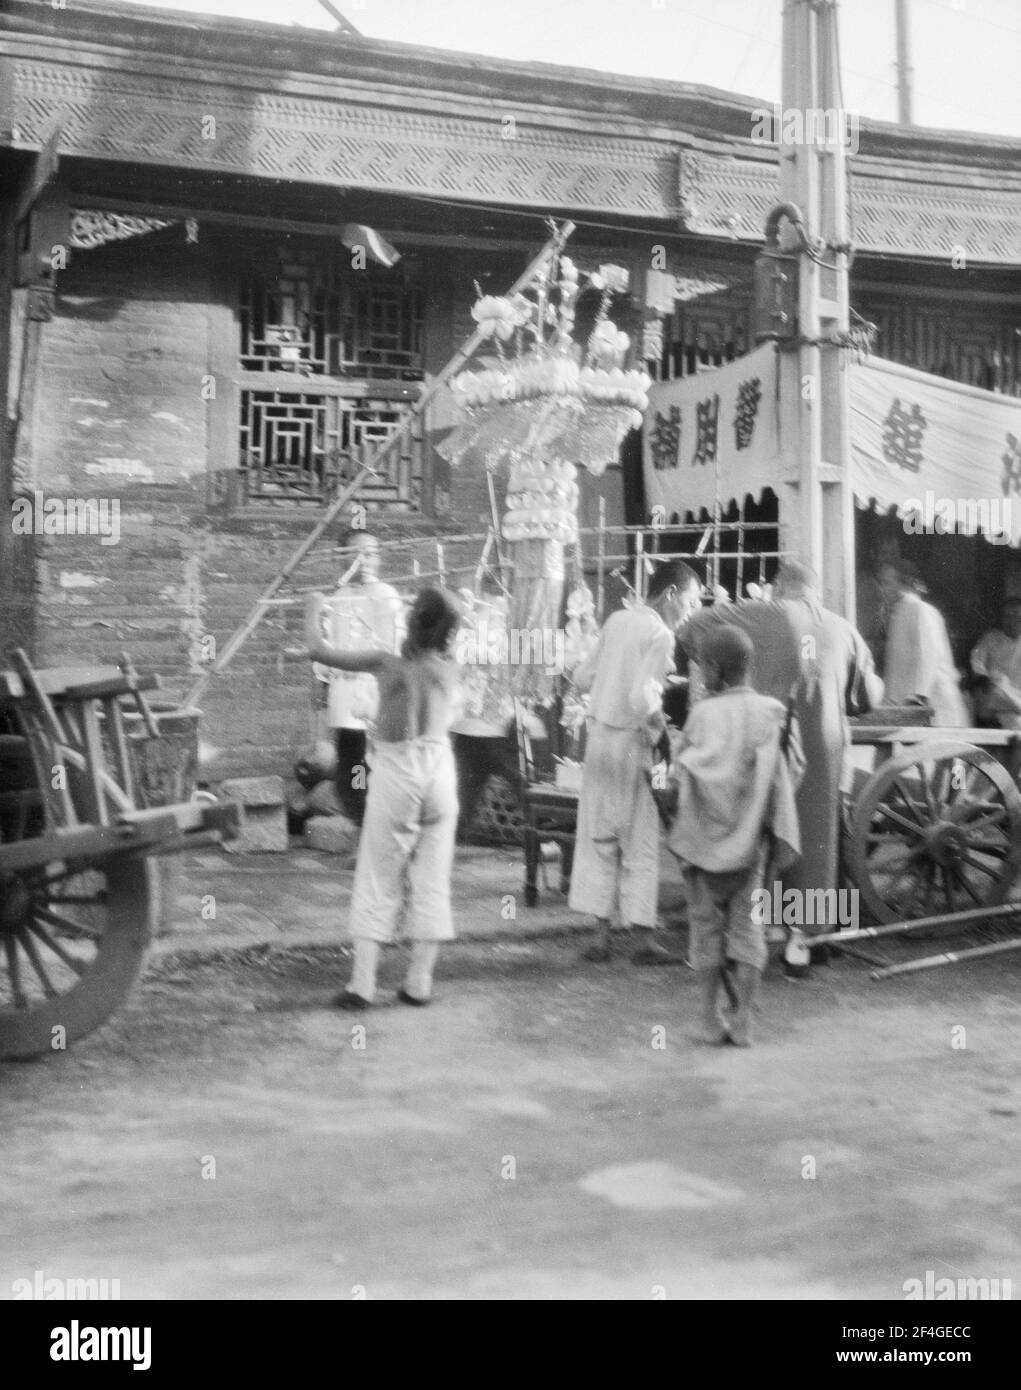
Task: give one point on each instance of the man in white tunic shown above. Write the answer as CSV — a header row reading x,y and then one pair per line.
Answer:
x,y
996,658
616,861
918,656
363,615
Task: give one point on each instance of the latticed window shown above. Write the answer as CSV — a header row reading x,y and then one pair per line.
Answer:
x,y
330,358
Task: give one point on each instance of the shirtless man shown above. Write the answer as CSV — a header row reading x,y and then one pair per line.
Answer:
x,y
406,849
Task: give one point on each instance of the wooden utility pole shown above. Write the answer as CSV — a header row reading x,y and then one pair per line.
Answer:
x,y
905,71
817,508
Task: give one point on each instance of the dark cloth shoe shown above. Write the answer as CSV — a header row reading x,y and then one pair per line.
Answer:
x,y
347,999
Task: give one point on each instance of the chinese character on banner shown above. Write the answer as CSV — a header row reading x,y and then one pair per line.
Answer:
x,y
665,439
706,423
902,436
749,393
1012,466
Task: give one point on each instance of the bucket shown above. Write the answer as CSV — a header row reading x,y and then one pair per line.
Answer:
x,y
164,771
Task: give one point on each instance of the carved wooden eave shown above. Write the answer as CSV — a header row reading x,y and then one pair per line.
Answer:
x,y
95,227
140,87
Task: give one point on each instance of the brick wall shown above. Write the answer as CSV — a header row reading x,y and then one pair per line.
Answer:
x,y
120,417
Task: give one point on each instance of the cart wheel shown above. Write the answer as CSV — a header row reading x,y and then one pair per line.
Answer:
x,y
935,829
72,941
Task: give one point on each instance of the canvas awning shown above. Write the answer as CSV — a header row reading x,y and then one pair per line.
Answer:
x,y
945,457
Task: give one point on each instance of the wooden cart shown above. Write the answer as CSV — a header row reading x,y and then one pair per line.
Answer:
x,y
77,892
935,828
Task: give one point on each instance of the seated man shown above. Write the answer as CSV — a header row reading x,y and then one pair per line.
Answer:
x,y
996,662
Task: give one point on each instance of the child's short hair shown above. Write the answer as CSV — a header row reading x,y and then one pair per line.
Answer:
x,y
730,650
435,616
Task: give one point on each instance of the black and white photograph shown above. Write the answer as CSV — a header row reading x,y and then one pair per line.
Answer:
x,y
510,665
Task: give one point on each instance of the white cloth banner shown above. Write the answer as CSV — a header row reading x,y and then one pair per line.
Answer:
x,y
714,433
947,453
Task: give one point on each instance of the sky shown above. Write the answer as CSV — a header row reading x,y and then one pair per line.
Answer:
x,y
966,54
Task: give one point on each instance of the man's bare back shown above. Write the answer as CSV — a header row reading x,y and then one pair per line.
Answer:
x,y
417,695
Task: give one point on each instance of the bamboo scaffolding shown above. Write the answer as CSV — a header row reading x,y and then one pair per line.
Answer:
x,y
604,556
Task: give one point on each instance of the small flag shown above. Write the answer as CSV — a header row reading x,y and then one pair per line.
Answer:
x,y
354,234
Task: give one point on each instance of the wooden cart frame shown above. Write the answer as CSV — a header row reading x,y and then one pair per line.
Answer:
x,y
77,895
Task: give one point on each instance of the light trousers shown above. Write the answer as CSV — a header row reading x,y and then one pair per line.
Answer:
x,y
406,851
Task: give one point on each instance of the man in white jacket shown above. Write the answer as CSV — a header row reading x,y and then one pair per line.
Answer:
x,y
616,860
363,615
918,656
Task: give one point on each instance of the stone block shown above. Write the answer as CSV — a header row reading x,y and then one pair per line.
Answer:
x,y
332,835
323,800
264,814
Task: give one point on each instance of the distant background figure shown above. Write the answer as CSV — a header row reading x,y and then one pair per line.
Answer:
x,y
996,662
364,614
616,860
484,734
919,660
805,652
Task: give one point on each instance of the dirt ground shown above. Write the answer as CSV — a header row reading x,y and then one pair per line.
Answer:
x,y
530,1136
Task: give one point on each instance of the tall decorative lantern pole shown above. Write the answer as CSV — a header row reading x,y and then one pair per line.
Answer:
x,y
543,406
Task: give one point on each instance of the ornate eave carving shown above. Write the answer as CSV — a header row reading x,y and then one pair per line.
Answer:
x,y
900,207
909,211
91,228
114,115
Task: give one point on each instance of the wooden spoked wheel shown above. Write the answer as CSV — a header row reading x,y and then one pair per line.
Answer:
x,y
936,829
72,941
73,936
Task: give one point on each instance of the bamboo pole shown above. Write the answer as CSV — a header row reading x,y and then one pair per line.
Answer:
x,y
601,561
971,914
494,532
946,958
537,265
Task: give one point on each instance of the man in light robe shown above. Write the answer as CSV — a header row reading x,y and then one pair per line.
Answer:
x,y
996,660
363,615
918,660
818,662
616,858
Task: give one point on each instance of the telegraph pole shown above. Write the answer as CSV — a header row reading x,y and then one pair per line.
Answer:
x,y
817,506
905,71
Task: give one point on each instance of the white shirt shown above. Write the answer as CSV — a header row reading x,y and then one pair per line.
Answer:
x,y
626,672
364,617
919,661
